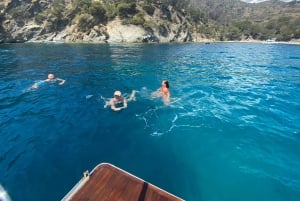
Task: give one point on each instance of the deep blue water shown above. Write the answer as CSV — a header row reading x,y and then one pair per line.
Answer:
x,y
232,132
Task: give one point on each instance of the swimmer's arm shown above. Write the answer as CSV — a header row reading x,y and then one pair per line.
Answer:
x,y
61,81
132,96
124,104
113,107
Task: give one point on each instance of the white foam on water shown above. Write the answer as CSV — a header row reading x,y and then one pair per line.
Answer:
x,y
89,96
3,194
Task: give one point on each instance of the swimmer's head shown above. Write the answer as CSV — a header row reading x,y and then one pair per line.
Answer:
x,y
117,93
51,76
165,82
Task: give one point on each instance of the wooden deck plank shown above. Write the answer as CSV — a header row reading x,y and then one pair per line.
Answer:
x,y
118,191
109,183
102,176
159,195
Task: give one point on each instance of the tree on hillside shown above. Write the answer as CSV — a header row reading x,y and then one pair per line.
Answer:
x,y
233,33
98,11
85,22
126,9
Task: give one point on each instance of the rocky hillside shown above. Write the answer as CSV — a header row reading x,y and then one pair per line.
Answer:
x,y
237,20
146,21
226,11
92,21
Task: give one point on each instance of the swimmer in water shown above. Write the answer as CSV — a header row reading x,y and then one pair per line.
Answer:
x,y
163,92
51,78
118,102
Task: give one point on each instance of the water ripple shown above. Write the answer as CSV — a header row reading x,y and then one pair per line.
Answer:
x,y
233,120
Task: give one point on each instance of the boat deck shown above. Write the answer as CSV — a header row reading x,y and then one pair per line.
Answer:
x,y
109,183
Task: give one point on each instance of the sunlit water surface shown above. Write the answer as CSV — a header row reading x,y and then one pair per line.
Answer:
x,y
231,132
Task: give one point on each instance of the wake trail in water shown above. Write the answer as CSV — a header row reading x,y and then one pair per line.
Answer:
x,y
163,118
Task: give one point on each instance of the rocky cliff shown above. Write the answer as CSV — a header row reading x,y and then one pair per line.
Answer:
x,y
92,21
115,21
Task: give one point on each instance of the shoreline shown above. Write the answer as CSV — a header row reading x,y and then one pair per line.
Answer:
x,y
119,43
293,42
266,42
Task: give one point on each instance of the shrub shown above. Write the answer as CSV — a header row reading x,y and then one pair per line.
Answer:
x,y
271,24
98,11
149,25
233,34
125,9
81,6
149,9
138,19
243,26
110,10
81,3
283,37
85,22
57,10
19,13
297,35
264,35
197,15
126,21
40,17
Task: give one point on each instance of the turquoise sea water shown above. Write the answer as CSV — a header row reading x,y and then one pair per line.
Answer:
x,y
232,132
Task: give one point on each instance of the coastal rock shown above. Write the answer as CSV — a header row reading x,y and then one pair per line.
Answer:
x,y
124,33
146,21
167,26
21,34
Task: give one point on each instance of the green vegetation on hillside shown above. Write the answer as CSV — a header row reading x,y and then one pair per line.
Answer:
x,y
236,20
215,19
